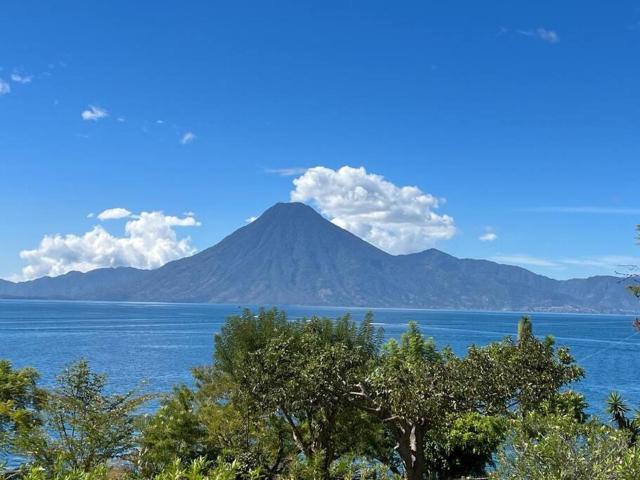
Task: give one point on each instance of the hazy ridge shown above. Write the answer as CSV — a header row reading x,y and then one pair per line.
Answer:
x,y
292,255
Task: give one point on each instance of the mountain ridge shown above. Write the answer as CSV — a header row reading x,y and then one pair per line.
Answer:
x,y
293,255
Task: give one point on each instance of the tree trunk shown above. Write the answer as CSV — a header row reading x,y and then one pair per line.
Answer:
x,y
411,450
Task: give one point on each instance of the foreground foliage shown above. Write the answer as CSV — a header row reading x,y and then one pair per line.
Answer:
x,y
80,427
320,399
20,400
558,447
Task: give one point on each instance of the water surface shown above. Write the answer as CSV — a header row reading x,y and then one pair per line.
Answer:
x,y
160,343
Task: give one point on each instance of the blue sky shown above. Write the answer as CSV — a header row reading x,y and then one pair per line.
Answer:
x,y
524,116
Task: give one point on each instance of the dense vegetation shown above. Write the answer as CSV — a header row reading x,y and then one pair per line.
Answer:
x,y
326,399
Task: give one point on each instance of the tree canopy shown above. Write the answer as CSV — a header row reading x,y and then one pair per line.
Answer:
x,y
319,399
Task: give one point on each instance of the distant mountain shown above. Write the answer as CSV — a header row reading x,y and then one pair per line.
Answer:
x,y
293,255
99,284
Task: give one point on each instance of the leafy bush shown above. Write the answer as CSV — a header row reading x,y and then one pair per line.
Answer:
x,y
559,447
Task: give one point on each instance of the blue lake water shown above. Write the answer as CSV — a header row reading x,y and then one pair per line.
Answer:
x,y
160,343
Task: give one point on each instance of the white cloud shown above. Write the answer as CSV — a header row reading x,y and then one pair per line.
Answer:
x,y
149,241
396,219
94,113
488,236
4,87
548,36
187,138
114,213
19,78
286,172
251,219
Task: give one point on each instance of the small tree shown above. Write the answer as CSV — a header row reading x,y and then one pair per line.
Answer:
x,y
518,376
20,400
82,426
210,423
619,411
174,431
525,329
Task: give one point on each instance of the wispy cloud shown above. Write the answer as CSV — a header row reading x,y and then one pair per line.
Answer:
x,y
609,264
541,33
4,87
94,113
16,77
488,236
114,213
548,36
21,78
188,137
287,171
584,210
523,259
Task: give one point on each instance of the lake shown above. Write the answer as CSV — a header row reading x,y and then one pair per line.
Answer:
x,y
158,344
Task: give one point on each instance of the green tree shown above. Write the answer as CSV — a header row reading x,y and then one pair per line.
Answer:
x,y
557,447
203,424
619,412
216,420
82,427
318,398
20,400
412,390
466,447
302,372
174,431
518,376
525,328
424,396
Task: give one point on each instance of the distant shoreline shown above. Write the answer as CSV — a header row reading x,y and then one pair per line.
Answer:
x,y
325,307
